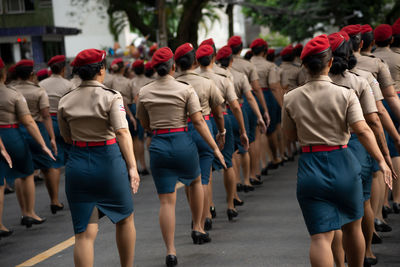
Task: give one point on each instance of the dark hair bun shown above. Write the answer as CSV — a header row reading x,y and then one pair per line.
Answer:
x,y
204,61
186,61
87,72
314,65
339,65
352,61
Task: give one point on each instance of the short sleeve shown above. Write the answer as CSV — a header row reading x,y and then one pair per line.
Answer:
x,y
367,99
354,111
285,78
216,98
117,113
384,76
43,100
192,102
302,77
63,125
230,90
141,112
253,76
245,85
274,75
21,106
375,87
288,124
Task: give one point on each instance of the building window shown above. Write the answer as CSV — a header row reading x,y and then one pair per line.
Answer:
x,y
45,4
20,6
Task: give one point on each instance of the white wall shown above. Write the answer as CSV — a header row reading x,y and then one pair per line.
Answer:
x,y
95,31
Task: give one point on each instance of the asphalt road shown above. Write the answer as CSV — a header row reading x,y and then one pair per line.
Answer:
x,y
268,232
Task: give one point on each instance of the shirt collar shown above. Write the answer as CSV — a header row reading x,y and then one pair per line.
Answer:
x,y
92,83
323,78
382,49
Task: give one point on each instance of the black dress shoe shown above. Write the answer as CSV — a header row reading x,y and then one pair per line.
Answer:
x,y
6,233
208,224
255,181
171,260
381,226
8,190
239,187
29,221
144,172
213,212
376,239
231,214
370,261
291,158
396,207
237,202
264,171
55,208
248,188
386,211
200,238
273,166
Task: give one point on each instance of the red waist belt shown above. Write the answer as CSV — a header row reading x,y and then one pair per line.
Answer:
x,y
206,118
101,143
320,148
265,89
173,130
53,114
8,126
228,107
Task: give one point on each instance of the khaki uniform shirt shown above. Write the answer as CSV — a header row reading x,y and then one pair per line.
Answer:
x,y
224,84
303,76
218,70
124,86
35,96
361,88
247,67
371,81
76,81
166,103
376,66
297,61
392,59
56,87
241,84
91,113
206,90
268,72
138,82
395,49
321,112
289,75
108,79
12,105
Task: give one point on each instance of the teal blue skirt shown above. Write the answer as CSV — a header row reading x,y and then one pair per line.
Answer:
x,y
173,157
390,142
329,190
206,154
251,119
18,149
97,177
229,147
236,133
62,147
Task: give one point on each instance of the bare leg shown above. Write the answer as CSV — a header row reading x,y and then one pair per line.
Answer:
x,y
281,141
196,204
245,159
236,164
167,220
354,243
337,249
376,193
139,152
126,240
381,200
273,144
2,227
206,205
230,186
264,150
321,251
25,189
255,154
210,196
396,183
368,228
52,179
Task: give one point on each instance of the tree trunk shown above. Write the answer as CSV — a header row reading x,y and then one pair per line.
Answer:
x,y
162,24
229,12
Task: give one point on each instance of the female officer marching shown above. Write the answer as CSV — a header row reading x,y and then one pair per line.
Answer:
x,y
163,107
92,118
318,115
210,100
14,110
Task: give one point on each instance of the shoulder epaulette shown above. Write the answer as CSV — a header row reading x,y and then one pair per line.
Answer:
x,y
353,72
110,90
183,82
148,83
12,88
221,74
341,85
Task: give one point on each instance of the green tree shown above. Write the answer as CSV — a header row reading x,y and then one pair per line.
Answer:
x,y
301,19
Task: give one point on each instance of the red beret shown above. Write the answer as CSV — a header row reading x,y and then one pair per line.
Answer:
x,y
204,50
24,63
162,55
397,21
148,65
116,61
224,52
42,72
235,41
352,29
299,46
56,59
12,68
138,63
89,56
382,32
208,42
315,46
335,40
258,42
396,29
287,50
183,50
366,28
345,35
154,47
271,51
1,63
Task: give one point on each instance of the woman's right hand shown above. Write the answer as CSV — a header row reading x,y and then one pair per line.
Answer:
x,y
7,157
47,151
135,179
220,157
387,174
